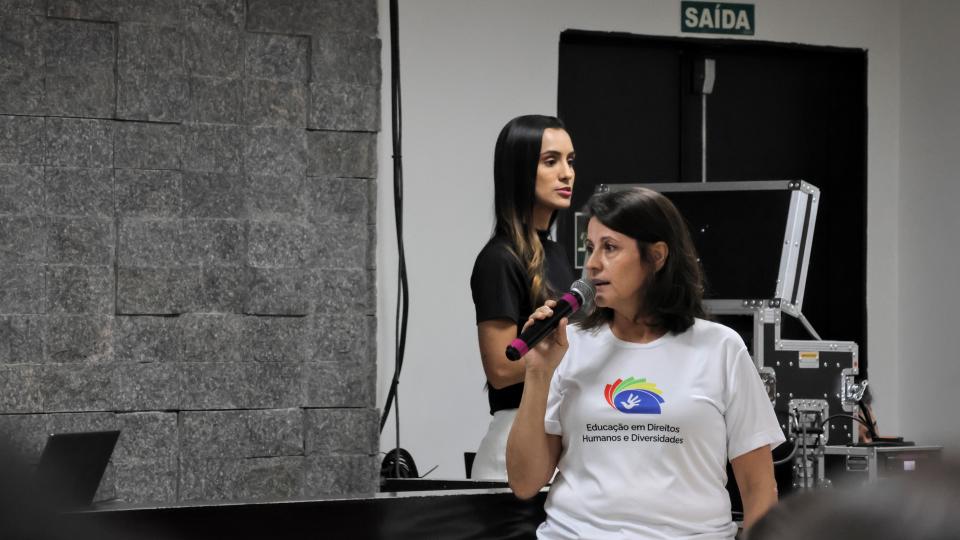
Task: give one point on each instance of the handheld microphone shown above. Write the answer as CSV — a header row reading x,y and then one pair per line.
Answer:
x,y
579,297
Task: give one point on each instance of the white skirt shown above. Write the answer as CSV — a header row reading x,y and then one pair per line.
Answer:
x,y
491,460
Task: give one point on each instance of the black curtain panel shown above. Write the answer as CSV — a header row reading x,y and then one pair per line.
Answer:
x,y
776,112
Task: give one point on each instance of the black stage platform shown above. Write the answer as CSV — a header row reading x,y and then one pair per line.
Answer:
x,y
413,509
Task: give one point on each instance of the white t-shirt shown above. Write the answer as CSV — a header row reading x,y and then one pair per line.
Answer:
x,y
647,431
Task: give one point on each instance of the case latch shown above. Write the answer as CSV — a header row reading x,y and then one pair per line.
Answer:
x,y
851,392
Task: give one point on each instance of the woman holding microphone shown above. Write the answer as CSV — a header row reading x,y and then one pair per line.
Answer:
x,y
640,406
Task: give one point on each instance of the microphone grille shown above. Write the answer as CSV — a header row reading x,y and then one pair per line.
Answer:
x,y
586,291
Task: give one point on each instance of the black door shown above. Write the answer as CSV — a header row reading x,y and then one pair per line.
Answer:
x,y
777,112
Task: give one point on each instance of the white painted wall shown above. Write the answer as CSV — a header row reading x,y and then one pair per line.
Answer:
x,y
930,222
467,67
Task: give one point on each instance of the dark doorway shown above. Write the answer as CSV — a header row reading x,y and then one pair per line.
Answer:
x,y
777,112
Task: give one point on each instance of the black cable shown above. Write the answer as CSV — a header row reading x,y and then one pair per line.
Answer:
x,y
870,422
396,432
403,301
829,418
840,415
803,429
793,452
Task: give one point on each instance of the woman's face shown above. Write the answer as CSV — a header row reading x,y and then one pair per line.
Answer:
x,y
616,267
555,170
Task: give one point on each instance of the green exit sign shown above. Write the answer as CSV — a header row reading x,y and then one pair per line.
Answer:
x,y
717,18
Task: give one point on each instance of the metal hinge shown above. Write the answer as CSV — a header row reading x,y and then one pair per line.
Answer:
x,y
851,392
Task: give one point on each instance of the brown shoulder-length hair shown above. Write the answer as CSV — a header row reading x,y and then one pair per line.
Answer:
x,y
673,296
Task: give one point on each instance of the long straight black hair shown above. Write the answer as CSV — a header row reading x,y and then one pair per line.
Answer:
x,y
515,161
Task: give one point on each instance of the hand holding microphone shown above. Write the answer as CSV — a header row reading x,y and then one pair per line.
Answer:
x,y
546,354
580,296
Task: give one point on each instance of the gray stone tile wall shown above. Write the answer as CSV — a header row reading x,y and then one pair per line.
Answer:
x,y
187,207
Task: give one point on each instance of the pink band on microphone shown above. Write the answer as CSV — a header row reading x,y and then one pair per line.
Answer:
x,y
520,346
572,300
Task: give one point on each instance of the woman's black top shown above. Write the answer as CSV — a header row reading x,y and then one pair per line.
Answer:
x,y
501,290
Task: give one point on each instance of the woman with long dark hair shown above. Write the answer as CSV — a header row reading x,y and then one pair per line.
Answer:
x,y
640,406
519,267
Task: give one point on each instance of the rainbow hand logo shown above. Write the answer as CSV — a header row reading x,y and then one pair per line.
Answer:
x,y
634,396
